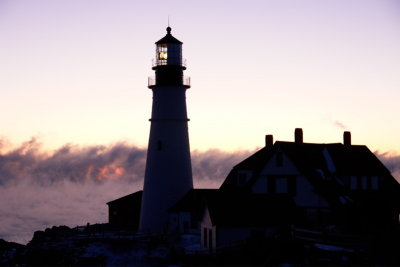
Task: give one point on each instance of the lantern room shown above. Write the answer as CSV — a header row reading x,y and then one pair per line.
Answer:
x,y
168,63
168,51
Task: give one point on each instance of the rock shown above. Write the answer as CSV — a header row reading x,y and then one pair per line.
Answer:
x,y
9,252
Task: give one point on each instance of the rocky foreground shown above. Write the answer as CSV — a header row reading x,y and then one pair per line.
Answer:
x,y
97,245
86,246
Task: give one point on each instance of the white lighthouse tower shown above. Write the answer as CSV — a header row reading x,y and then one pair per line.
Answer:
x,y
168,174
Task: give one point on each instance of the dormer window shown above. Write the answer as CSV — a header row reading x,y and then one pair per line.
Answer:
x,y
281,185
242,177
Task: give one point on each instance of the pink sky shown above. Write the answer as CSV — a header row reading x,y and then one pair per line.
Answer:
x,y
73,74
76,71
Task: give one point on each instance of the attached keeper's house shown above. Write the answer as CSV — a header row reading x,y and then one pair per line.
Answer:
x,y
335,194
314,188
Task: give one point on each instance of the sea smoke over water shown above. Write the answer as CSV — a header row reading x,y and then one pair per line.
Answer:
x,y
71,185
392,162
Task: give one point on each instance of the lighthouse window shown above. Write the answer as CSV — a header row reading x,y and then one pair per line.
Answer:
x,y
159,145
162,53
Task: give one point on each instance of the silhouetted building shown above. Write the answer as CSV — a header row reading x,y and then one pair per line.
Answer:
x,y
185,216
124,212
337,188
168,174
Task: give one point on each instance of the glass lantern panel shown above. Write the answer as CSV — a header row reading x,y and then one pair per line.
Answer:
x,y
162,53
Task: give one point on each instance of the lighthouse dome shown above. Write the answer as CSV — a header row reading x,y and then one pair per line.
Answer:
x,y
168,39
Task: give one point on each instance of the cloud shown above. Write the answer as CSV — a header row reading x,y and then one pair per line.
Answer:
x,y
71,185
72,163
119,161
211,167
391,161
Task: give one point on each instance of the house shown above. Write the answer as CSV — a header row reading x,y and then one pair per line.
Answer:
x,y
186,214
124,212
335,194
342,188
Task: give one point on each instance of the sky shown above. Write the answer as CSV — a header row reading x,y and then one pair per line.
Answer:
x,y
76,71
73,91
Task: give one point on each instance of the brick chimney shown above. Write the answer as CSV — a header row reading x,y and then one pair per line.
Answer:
x,y
298,136
347,138
269,140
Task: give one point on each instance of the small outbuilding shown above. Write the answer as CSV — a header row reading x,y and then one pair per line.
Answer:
x,y
124,212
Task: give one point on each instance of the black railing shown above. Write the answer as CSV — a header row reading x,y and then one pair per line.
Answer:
x,y
164,62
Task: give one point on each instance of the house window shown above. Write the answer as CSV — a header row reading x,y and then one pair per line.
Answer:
x,y
364,182
279,159
374,182
281,185
353,182
242,178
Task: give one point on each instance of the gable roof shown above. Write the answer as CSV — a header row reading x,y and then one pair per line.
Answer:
x,y
137,196
319,163
347,160
254,163
334,158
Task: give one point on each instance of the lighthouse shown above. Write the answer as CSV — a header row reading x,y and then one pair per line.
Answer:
x,y
168,174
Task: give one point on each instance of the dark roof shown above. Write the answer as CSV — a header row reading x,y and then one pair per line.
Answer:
x,y
319,162
192,200
356,160
309,157
254,163
128,198
168,39
250,210
348,160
